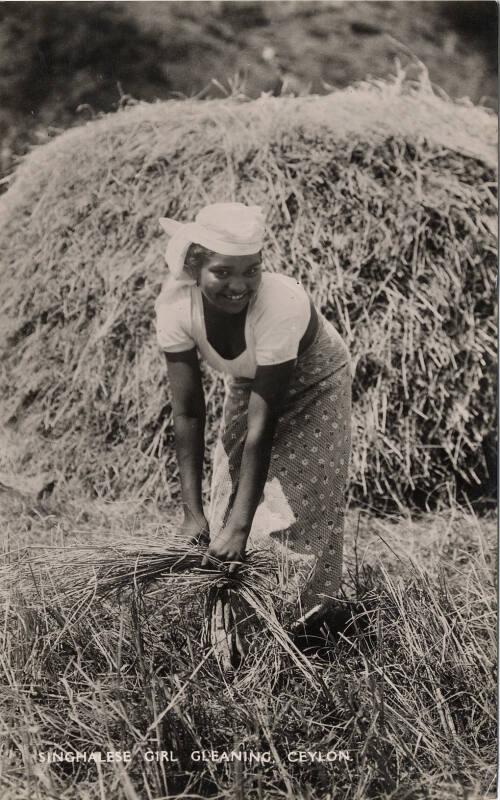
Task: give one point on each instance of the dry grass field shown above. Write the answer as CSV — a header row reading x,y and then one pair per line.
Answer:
x,y
409,693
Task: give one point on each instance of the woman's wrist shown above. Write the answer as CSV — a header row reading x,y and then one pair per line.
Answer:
x,y
193,511
240,524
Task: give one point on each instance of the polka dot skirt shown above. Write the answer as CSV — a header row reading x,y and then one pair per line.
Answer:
x,y
302,510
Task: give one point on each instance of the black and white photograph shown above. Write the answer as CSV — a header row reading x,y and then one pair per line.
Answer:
x,y
248,400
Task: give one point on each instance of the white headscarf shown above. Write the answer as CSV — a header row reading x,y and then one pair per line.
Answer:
x,y
231,229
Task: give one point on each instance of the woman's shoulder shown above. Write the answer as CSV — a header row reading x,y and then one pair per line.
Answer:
x,y
282,314
276,281
174,294
173,317
279,292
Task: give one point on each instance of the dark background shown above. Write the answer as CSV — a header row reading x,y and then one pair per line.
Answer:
x,y
63,62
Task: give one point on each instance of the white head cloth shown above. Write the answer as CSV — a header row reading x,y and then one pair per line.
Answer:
x,y
231,229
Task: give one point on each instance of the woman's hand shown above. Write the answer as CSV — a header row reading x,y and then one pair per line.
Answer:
x,y
195,529
228,545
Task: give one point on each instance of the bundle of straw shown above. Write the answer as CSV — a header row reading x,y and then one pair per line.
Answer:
x,y
77,579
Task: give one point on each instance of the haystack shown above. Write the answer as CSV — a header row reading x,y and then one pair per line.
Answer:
x,y
380,198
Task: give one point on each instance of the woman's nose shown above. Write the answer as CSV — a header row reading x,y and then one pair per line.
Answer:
x,y
238,285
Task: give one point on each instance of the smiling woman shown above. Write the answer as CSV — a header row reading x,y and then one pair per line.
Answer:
x,y
229,281
281,460
227,284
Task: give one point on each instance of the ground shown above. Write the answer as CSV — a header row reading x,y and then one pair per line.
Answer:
x,y
410,694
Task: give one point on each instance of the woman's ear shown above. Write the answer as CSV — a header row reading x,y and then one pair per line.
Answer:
x,y
193,273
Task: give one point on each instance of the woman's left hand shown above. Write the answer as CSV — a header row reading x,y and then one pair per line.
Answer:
x,y
228,545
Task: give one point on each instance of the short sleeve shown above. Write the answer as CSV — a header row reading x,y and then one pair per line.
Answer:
x,y
282,319
173,318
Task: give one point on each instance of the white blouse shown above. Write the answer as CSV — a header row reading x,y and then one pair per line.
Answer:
x,y
277,318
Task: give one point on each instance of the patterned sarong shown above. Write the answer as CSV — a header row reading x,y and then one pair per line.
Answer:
x,y
302,510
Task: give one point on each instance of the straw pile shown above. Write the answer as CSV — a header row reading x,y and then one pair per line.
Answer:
x,y
379,198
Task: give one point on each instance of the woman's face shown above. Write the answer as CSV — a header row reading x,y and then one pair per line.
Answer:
x,y
229,282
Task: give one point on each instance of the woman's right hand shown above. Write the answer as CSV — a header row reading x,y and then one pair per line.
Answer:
x,y
195,530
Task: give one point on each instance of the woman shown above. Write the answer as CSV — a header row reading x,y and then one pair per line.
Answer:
x,y
281,460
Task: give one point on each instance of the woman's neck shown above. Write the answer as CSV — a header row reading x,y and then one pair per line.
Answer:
x,y
225,332
218,313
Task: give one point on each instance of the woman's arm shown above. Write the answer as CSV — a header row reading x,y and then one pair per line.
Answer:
x,y
188,404
266,402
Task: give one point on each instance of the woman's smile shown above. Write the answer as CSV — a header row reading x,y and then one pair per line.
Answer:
x,y
233,296
229,302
